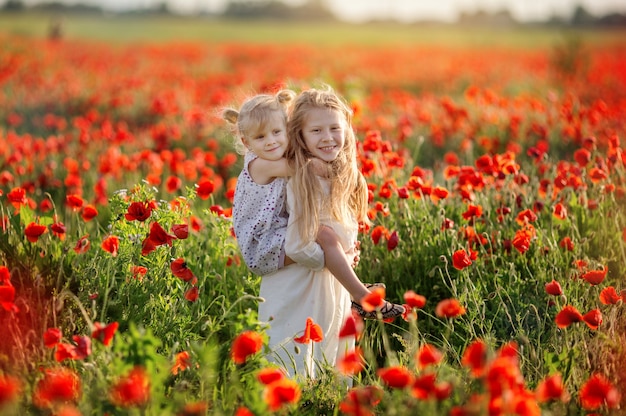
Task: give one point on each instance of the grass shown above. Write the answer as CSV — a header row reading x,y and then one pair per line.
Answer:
x,y
122,29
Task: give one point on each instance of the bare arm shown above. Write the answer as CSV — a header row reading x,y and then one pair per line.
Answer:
x,y
264,171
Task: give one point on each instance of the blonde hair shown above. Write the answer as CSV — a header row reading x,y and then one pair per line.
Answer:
x,y
347,199
254,113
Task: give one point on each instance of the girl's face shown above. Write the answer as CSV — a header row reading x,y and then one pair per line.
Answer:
x,y
270,141
323,132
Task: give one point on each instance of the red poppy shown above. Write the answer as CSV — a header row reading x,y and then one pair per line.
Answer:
x,y
281,393
554,288
138,211
179,269
52,337
551,388
33,231
522,239
352,327
59,230
204,189
423,386
5,275
10,389
378,232
559,212
17,197
438,193
449,308
111,244
312,332
461,260
131,390
181,231
159,236
373,300
568,315
582,156
475,357
393,240
200,409
182,361
595,277
83,346
567,244
593,318
173,183
428,355
268,375
414,300
192,294
75,202
89,212
526,217
104,333
242,411
65,352
360,401
244,345
82,245
138,272
597,392
609,296
396,377
352,363
7,298
58,385
473,211
403,192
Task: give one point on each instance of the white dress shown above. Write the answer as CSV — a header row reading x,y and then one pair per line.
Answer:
x,y
304,290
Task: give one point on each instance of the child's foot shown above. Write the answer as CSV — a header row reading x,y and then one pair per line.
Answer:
x,y
388,311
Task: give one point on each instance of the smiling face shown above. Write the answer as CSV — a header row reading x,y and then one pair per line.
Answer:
x,y
323,132
270,140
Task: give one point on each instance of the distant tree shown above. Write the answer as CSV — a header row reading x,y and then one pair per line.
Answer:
x,y
13,6
582,17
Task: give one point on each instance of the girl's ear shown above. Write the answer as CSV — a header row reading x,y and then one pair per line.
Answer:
x,y
244,141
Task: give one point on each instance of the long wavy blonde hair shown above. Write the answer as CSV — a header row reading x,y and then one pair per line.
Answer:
x,y
254,113
347,200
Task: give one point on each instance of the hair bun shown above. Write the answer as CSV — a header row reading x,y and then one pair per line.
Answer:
x,y
230,115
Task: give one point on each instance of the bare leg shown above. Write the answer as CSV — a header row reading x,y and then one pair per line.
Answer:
x,y
336,261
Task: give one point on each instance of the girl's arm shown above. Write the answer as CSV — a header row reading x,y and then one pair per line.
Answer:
x,y
264,171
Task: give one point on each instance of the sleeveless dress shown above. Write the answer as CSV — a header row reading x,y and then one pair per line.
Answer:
x,y
297,292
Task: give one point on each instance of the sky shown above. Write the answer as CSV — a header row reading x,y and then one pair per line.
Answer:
x,y
402,10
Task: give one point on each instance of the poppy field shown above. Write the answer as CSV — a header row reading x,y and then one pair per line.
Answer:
x,y
497,185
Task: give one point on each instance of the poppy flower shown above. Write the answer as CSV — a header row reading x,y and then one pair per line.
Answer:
x,y
396,377
159,236
473,211
559,211
403,192
423,386
65,351
568,315
609,296
373,300
52,337
244,345
242,411
111,244
268,375
181,231
173,183
312,332
475,357
138,211
200,409
582,156
89,213
192,294
352,363
182,361
75,202
17,197
554,288
414,300
179,269
567,244
138,272
353,326
521,241
132,389
5,275
104,333
7,298
438,193
33,231
461,260
147,246
360,401
526,217
10,389
58,385
82,245
204,189
281,393
83,346
378,232
449,308
427,355
59,230
392,241
597,392
593,318
551,388
595,277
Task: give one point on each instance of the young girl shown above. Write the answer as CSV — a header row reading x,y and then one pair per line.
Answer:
x,y
260,223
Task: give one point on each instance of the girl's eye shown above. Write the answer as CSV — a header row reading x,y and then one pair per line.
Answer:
x,y
277,131
260,137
